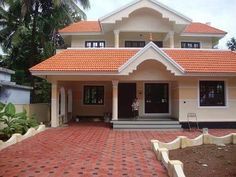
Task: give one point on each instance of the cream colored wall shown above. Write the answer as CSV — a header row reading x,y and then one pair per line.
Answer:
x,y
40,111
188,103
91,110
149,70
145,20
205,42
174,100
79,41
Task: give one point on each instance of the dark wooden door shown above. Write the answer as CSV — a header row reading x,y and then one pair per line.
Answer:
x,y
157,98
126,95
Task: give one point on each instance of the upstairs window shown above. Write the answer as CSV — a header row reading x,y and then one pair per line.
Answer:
x,y
134,44
158,43
194,45
95,44
93,95
212,93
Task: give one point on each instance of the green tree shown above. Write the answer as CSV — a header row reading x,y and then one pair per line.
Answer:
x,y
29,34
232,44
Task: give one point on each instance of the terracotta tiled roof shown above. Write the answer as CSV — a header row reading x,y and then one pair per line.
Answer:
x,y
212,61
82,26
199,61
202,28
86,60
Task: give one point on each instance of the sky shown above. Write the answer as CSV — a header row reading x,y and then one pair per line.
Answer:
x,y
221,13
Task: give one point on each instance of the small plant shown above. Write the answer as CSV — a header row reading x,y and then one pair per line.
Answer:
x,y
14,122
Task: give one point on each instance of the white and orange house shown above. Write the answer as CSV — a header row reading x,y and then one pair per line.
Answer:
x,y
145,50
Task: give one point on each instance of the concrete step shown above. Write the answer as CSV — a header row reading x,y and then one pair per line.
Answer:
x,y
154,126
157,124
144,122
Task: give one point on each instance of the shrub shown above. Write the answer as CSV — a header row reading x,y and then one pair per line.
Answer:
x,y
15,122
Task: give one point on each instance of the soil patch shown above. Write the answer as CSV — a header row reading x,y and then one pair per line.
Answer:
x,y
3,137
207,160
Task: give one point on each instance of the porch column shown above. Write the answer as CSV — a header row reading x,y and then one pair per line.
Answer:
x,y
172,40
115,100
117,38
54,106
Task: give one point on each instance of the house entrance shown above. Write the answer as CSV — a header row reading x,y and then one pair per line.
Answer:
x,y
156,98
126,95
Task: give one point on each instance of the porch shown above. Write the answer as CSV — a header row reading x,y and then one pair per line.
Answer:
x,y
112,100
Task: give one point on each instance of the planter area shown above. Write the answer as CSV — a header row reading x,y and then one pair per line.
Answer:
x,y
207,160
175,167
15,138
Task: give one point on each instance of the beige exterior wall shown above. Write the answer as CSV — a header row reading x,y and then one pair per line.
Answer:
x,y
79,109
40,111
146,20
189,101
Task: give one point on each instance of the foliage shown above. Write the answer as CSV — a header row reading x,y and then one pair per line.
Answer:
x,y
29,34
15,122
232,44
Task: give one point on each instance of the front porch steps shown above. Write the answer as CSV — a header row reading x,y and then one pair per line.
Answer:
x,y
147,123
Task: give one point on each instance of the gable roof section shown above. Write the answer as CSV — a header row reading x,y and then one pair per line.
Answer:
x,y
113,60
154,3
83,27
204,61
202,29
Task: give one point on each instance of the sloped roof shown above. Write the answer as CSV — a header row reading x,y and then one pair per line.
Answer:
x,y
82,27
202,28
108,60
86,60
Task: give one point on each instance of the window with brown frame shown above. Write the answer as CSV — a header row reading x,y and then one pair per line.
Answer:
x,y
195,45
212,93
93,95
134,43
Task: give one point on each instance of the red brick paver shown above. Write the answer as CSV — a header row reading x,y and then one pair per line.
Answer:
x,y
88,149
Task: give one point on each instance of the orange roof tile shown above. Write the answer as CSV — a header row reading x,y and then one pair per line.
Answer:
x,y
202,28
86,60
211,61
193,61
82,26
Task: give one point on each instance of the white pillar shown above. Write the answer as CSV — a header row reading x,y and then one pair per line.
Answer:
x,y
172,40
54,106
115,100
117,38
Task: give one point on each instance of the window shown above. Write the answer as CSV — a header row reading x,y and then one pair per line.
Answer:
x,y
94,44
195,45
158,43
134,43
94,95
212,93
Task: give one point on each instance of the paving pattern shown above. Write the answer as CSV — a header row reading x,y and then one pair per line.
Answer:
x,y
88,149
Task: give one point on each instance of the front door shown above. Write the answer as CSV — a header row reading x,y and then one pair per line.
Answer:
x,y
156,98
126,95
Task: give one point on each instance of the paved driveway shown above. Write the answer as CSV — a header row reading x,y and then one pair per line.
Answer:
x,y
88,149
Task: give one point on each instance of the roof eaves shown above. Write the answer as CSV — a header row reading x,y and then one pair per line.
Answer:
x,y
5,70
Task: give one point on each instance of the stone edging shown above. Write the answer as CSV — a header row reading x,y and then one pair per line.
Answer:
x,y
15,138
175,167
